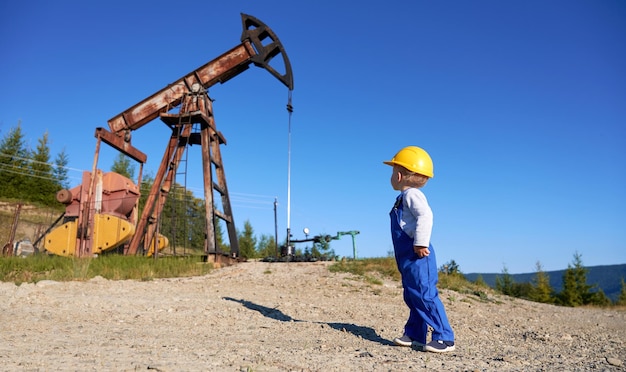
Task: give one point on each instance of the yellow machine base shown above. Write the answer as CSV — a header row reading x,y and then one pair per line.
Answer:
x,y
109,232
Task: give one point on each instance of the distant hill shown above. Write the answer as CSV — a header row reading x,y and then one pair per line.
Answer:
x,y
606,277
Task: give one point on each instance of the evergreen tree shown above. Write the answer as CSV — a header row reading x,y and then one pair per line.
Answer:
x,y
315,251
569,295
194,227
41,186
247,241
450,267
60,169
522,290
505,282
266,246
219,236
14,157
196,223
621,300
191,231
122,165
541,289
321,247
480,281
144,189
175,216
599,298
575,290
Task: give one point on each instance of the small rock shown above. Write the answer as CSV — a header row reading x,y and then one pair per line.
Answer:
x,y
46,283
97,279
614,361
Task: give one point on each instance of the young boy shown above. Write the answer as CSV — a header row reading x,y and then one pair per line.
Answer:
x,y
411,226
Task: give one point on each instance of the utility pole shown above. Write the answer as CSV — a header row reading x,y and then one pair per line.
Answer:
x,y
276,227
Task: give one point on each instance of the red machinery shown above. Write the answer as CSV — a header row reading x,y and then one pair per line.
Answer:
x,y
101,212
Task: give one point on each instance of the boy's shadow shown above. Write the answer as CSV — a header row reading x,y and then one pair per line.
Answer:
x,y
266,311
273,313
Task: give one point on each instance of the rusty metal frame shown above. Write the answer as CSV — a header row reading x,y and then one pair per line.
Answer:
x,y
254,49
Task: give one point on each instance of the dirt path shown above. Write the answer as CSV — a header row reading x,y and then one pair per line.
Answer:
x,y
259,316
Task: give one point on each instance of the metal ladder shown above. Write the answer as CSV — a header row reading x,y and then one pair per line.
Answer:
x,y
196,108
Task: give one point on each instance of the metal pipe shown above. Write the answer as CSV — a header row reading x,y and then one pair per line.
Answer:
x,y
290,110
276,226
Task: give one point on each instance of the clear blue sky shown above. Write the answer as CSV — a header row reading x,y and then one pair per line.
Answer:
x,y
521,104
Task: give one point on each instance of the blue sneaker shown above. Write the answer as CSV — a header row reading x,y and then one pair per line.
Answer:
x,y
438,346
407,342
403,341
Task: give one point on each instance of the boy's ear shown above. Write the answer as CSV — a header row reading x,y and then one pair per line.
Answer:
x,y
398,175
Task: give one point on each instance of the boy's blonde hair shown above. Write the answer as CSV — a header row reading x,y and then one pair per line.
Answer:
x,y
412,179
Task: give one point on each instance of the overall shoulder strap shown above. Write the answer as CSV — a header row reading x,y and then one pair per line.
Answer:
x,y
398,202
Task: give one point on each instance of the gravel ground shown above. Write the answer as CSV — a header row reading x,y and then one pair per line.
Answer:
x,y
258,316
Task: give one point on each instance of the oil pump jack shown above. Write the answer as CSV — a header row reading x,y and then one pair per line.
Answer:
x,y
101,213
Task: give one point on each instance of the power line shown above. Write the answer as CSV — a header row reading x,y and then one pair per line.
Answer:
x,y
244,200
39,162
29,172
29,175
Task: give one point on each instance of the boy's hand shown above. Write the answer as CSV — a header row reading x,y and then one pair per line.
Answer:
x,y
421,252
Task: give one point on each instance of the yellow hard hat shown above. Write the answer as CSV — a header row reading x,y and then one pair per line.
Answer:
x,y
414,159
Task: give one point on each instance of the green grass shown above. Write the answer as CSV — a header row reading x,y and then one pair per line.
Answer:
x,y
386,267
117,267
114,267
456,282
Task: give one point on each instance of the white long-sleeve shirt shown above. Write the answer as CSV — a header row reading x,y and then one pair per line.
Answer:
x,y
417,217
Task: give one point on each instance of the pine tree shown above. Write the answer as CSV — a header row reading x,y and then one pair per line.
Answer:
x,y
192,232
541,290
599,298
575,290
60,169
175,216
122,165
522,290
569,295
196,223
266,246
505,282
247,241
14,157
480,281
621,300
450,267
144,190
41,186
219,235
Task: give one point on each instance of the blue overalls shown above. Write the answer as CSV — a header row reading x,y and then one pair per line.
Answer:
x,y
419,280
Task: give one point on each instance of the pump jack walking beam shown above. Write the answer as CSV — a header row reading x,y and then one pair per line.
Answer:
x,y
223,68
196,109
